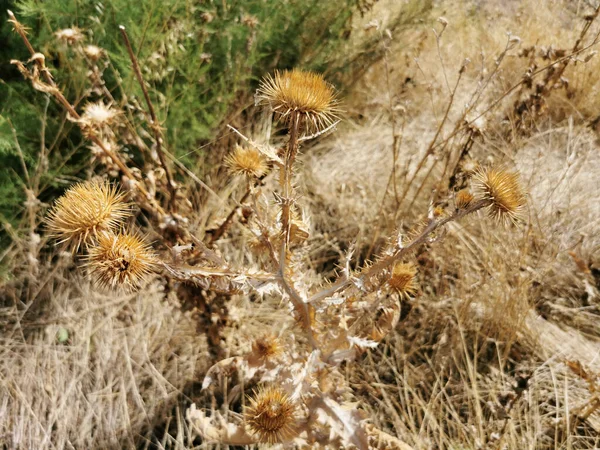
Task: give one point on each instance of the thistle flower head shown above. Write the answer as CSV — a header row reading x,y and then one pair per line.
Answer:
x,y
246,161
93,52
298,91
266,347
463,199
99,114
503,189
69,35
402,279
85,210
120,260
271,415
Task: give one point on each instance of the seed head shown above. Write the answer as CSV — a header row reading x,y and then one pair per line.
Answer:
x,y
463,199
99,114
271,415
120,260
402,279
246,161
85,210
266,347
93,52
69,35
503,189
304,92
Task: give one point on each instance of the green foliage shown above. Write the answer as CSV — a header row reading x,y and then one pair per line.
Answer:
x,y
201,61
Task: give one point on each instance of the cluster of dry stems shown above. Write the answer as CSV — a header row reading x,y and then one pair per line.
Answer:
x,y
301,397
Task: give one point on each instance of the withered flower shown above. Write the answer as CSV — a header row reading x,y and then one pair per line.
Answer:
x,y
306,93
463,199
403,279
120,260
246,161
503,189
271,415
99,114
266,347
69,35
85,210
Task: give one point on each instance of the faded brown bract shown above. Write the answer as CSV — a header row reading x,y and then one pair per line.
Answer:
x,y
503,189
85,210
304,92
271,415
120,260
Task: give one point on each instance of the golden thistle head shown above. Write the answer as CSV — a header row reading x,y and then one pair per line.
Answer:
x,y
463,199
120,260
247,161
271,415
403,279
85,210
503,190
306,93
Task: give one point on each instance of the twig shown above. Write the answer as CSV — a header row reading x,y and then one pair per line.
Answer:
x,y
399,253
153,121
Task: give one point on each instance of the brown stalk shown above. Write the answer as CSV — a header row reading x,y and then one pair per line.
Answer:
x,y
386,262
153,121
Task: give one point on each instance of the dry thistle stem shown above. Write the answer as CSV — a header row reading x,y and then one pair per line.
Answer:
x,y
120,260
85,210
402,279
304,92
271,415
247,161
503,189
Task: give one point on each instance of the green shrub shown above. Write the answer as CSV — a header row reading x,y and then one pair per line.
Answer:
x,y
200,60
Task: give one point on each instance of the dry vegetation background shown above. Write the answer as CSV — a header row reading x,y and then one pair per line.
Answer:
x,y
499,347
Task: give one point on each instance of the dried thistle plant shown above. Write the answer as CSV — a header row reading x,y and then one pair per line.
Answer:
x,y
304,399
84,211
306,93
503,190
120,260
402,279
247,161
271,415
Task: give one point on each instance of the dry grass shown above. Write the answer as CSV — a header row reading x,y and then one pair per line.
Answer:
x,y
498,350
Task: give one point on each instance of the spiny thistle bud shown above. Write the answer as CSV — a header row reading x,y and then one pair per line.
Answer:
x,y
247,161
266,347
463,199
85,210
402,279
304,92
503,189
120,260
271,415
